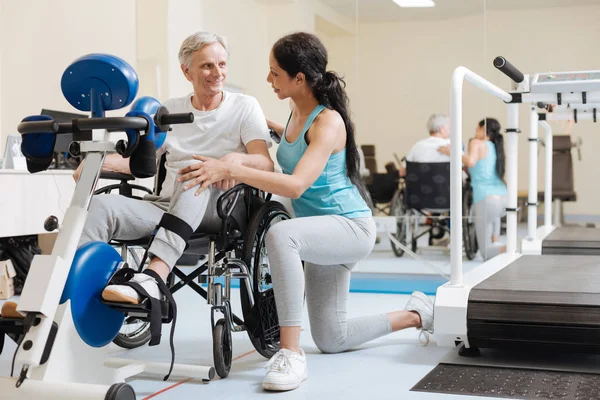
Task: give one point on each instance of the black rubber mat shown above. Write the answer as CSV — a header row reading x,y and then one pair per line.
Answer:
x,y
509,383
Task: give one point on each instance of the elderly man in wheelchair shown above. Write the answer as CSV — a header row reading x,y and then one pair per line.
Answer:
x,y
221,222
424,194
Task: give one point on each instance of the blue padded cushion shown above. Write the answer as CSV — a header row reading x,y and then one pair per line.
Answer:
x,y
93,266
38,148
150,106
110,76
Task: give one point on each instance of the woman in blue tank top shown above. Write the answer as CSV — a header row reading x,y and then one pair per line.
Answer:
x,y
486,162
333,228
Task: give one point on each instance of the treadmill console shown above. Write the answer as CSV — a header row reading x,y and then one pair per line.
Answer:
x,y
565,82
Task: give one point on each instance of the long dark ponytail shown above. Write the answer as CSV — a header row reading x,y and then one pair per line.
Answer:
x,y
492,130
304,52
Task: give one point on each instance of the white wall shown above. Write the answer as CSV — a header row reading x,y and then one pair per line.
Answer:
x,y
184,17
39,42
405,72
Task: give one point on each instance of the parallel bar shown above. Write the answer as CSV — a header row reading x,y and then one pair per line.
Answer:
x,y
569,116
533,174
547,174
512,164
460,74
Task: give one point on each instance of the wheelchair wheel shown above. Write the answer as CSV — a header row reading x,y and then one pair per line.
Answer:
x,y
134,332
398,211
469,237
265,336
222,348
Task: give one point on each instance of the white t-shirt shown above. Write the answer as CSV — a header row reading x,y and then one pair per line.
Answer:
x,y
426,150
237,121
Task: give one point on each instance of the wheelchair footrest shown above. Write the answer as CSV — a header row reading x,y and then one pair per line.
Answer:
x,y
142,310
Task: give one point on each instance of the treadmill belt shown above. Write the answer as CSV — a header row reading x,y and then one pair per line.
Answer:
x,y
509,383
573,240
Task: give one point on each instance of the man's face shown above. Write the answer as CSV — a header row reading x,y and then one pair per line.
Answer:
x,y
208,70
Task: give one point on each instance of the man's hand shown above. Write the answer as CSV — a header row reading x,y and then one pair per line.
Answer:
x,y
77,172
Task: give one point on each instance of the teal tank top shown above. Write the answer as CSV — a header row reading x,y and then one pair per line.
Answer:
x,y
484,178
332,193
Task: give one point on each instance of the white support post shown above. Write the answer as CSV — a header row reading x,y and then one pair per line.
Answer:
x,y
533,162
547,174
512,164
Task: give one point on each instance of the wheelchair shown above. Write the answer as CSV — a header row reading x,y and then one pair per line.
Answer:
x,y
424,193
382,189
233,248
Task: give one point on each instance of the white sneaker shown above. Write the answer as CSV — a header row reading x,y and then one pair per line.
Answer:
x,y
286,371
422,305
127,294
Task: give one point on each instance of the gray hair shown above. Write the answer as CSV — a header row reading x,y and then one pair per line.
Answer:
x,y
195,42
436,122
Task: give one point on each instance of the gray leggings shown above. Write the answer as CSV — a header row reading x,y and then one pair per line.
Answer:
x,y
330,247
117,217
487,214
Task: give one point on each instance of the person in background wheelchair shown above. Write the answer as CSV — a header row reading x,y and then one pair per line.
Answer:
x,y
486,162
426,150
228,126
333,228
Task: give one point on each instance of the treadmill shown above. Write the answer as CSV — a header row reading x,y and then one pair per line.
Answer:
x,y
516,300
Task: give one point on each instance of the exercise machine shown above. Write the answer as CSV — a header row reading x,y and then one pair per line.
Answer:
x,y
66,327
515,300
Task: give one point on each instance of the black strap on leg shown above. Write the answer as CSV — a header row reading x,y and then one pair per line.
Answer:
x,y
123,277
177,226
167,293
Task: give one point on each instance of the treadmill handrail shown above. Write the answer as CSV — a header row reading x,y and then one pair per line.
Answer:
x,y
459,75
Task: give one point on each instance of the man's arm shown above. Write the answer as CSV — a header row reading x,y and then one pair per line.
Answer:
x,y
112,163
258,156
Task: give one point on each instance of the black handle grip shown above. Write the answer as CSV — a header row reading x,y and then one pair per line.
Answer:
x,y
112,123
508,69
172,119
38,127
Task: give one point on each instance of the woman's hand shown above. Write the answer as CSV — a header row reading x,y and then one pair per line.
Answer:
x,y
444,150
205,173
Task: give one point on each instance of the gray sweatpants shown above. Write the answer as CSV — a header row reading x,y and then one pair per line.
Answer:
x,y
330,247
487,214
118,217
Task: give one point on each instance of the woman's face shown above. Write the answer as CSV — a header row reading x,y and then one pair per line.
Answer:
x,y
480,132
280,81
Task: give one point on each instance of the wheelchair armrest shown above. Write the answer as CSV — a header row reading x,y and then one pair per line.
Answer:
x,y
116,176
224,208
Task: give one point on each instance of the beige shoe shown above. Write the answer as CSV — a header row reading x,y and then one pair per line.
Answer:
x,y
9,310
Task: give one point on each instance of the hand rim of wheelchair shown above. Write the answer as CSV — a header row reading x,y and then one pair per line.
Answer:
x,y
261,221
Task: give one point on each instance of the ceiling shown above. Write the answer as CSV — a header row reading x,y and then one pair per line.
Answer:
x,y
387,10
